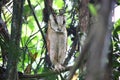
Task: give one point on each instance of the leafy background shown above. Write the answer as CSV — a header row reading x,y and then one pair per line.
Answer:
x,y
33,50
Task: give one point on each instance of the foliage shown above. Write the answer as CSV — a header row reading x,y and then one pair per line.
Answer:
x,y
92,9
116,50
32,59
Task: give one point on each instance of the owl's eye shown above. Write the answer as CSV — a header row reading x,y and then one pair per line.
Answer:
x,y
63,21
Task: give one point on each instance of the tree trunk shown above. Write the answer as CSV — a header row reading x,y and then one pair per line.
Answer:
x,y
14,43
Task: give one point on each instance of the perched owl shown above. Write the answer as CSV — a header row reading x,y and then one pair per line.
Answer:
x,y
57,40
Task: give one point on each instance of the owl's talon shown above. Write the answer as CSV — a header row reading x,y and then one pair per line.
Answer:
x,y
59,67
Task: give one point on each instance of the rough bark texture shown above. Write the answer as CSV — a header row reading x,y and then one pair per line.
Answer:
x,y
97,45
100,33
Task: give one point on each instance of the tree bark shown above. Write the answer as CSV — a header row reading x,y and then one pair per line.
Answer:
x,y
100,33
97,45
14,42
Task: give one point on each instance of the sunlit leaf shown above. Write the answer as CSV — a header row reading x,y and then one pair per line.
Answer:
x,y
92,9
31,23
58,3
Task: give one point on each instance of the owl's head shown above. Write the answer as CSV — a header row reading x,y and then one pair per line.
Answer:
x,y
58,22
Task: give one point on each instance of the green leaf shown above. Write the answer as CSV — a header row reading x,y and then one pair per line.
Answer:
x,y
58,3
31,23
92,9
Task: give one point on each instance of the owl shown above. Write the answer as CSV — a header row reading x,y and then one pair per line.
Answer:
x,y
57,40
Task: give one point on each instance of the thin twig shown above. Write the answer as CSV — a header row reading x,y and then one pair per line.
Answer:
x,y
33,12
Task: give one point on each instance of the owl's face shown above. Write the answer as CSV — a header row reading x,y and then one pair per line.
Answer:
x,y
57,23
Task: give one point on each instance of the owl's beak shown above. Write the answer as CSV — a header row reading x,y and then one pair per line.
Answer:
x,y
59,29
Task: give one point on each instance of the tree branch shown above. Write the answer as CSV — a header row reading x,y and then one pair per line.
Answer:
x,y
36,20
45,74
